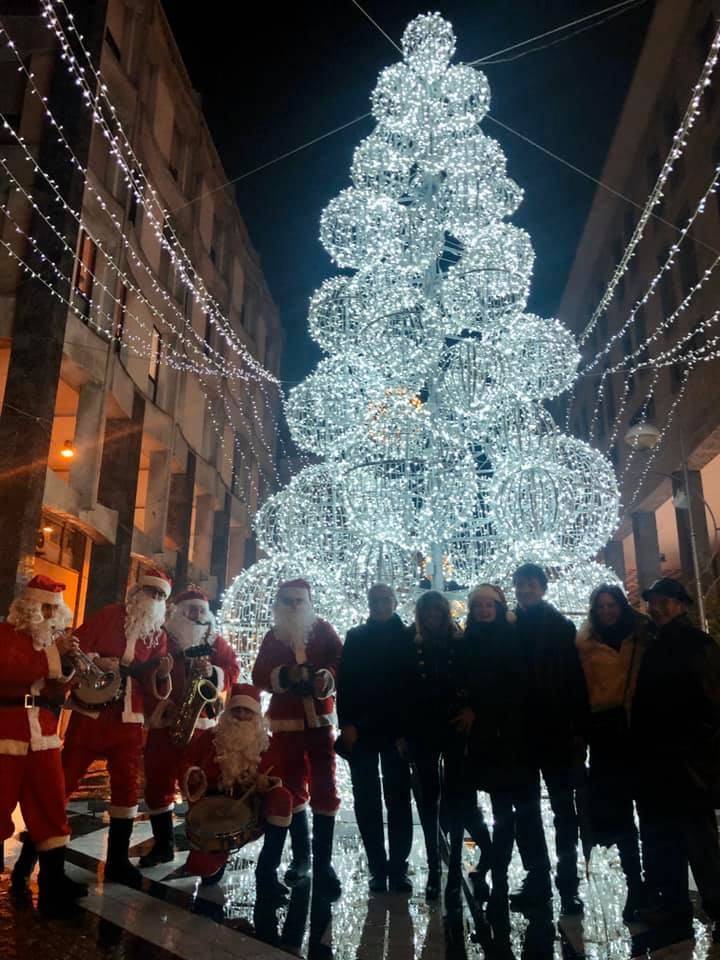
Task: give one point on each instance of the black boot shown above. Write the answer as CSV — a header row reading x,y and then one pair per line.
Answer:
x,y
24,865
269,887
118,868
324,877
56,891
299,868
163,849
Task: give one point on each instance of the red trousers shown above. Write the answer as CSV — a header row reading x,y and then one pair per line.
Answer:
x,y
119,743
35,781
305,762
276,808
163,769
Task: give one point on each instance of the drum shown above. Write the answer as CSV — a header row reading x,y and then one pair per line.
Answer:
x,y
221,823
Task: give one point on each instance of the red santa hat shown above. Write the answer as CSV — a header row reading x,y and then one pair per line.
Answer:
x,y
156,578
297,584
193,594
42,589
244,695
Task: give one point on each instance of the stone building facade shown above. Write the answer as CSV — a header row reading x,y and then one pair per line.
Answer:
x,y
654,535
168,458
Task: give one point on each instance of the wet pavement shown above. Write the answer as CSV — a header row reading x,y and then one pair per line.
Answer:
x,y
173,916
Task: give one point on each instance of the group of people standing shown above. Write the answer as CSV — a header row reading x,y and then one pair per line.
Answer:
x,y
620,720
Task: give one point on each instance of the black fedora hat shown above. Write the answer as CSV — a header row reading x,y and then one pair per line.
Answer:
x,y
667,587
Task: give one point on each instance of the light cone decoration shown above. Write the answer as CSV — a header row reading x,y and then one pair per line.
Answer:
x,y
439,459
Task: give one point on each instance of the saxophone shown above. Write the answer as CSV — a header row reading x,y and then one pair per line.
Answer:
x,y
199,693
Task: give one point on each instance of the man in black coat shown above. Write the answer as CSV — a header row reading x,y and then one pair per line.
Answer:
x,y
557,716
368,688
675,728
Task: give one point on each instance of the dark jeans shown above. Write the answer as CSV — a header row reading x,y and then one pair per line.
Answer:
x,y
516,813
367,756
671,842
561,782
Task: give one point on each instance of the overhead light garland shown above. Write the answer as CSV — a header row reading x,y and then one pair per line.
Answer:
x,y
428,410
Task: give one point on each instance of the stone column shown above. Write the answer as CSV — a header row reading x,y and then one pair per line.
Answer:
x,y
180,515
615,557
89,431
117,489
156,504
647,548
696,503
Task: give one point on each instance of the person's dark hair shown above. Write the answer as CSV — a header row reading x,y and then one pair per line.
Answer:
x,y
429,599
531,571
616,592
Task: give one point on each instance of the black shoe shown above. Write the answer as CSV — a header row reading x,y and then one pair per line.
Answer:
x,y
56,891
299,868
213,878
432,887
163,849
24,865
400,884
271,893
675,918
377,883
637,900
118,868
571,906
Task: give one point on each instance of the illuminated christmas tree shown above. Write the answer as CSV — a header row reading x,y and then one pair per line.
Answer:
x,y
438,458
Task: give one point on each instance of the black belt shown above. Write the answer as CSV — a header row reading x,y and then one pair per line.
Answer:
x,y
28,701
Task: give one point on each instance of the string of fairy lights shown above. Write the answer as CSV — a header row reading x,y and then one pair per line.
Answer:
x,y
423,312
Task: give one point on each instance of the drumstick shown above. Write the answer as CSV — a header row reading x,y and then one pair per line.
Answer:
x,y
254,787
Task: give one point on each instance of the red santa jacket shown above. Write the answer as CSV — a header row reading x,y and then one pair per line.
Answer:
x,y
288,711
104,635
27,671
226,670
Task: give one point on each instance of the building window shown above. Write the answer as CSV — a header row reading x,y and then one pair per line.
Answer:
x,y
154,367
120,313
85,271
113,44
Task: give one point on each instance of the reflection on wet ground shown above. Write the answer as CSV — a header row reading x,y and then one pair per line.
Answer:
x,y
174,916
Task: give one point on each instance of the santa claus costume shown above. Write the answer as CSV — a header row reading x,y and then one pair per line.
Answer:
x,y
34,667
197,650
297,663
128,637
233,758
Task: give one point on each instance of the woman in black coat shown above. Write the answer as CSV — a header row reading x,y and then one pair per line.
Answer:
x,y
498,760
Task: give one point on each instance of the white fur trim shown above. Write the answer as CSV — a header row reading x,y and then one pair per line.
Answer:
x,y
52,843
14,748
194,797
275,684
279,821
300,807
43,596
219,679
325,813
123,813
287,725
38,740
158,582
129,652
55,671
168,809
206,723
154,677
243,701
328,683
128,714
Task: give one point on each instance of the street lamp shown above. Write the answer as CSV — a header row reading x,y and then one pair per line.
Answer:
x,y
646,436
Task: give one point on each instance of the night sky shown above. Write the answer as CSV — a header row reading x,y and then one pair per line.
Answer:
x,y
295,71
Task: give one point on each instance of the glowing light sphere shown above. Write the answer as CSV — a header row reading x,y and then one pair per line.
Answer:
x,y
518,430
398,97
544,360
359,226
323,409
377,562
334,316
379,167
428,45
569,588
479,191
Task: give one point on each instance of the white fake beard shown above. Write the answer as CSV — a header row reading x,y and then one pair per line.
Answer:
x,y
144,617
187,633
44,633
239,744
293,625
